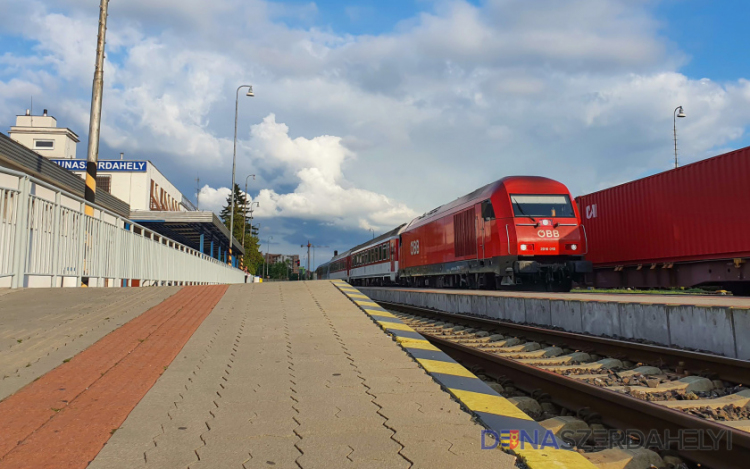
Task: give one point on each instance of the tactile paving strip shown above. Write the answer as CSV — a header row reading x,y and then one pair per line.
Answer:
x,y
494,411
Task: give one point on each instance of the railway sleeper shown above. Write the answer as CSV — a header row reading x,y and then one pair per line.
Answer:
x,y
740,399
548,362
686,384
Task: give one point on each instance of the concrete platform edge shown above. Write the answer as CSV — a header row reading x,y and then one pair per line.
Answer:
x,y
722,330
490,408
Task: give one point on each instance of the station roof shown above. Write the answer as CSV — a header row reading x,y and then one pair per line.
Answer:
x,y
187,227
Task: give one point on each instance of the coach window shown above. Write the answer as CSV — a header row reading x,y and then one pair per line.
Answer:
x,y
488,213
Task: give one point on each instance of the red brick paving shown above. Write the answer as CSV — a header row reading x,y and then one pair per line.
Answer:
x,y
63,419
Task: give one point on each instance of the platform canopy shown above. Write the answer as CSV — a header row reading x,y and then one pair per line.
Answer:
x,y
199,230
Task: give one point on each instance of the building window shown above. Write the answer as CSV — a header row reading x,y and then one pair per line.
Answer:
x,y
104,183
44,144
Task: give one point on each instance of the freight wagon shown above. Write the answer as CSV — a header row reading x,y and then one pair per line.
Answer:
x,y
685,227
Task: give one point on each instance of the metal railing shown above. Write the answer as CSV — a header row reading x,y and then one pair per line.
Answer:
x,y
46,240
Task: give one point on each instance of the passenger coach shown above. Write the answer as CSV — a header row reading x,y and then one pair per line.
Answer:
x,y
376,262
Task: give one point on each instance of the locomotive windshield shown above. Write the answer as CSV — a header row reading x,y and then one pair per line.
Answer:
x,y
542,206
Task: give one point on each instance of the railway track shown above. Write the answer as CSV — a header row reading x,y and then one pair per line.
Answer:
x,y
593,385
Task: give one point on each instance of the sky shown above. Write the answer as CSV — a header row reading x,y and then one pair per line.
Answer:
x,y
369,113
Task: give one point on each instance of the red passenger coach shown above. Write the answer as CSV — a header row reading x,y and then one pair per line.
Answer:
x,y
518,231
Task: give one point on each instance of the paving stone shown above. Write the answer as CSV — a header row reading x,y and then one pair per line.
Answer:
x,y
296,375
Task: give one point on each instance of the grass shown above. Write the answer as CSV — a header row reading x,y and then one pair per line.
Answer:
x,y
629,291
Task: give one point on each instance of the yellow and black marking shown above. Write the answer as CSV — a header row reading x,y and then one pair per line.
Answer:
x,y
90,192
89,195
495,411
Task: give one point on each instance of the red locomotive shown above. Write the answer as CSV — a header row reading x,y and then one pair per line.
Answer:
x,y
518,232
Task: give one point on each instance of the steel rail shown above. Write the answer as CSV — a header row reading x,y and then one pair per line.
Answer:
x,y
724,368
617,410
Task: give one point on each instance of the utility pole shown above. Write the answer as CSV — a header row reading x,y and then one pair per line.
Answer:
x,y
309,245
198,193
95,120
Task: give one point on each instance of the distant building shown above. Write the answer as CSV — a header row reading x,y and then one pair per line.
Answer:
x,y
275,258
41,134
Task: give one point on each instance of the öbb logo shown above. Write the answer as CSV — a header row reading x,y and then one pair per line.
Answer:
x,y
590,211
548,233
414,247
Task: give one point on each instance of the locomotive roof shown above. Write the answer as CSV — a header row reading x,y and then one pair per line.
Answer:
x,y
379,239
512,183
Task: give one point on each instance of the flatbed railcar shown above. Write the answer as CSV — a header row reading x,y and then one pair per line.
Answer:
x,y
520,232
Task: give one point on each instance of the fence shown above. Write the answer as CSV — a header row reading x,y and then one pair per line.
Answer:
x,y
46,240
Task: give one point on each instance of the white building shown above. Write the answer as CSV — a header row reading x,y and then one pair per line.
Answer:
x,y
41,134
137,182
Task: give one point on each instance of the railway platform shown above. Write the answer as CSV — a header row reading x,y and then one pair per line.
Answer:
x,y
282,375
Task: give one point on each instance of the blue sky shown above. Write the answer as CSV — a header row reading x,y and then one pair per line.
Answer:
x,y
712,34
368,113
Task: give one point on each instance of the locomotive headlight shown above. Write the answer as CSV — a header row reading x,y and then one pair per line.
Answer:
x,y
572,247
523,247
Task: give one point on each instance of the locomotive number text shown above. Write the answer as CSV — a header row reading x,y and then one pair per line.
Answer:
x,y
415,247
548,233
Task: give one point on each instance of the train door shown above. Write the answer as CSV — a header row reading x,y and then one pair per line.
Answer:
x,y
393,255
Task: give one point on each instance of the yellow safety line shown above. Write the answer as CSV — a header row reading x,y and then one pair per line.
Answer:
x,y
447,368
357,295
376,312
489,404
551,458
366,303
396,326
416,344
541,458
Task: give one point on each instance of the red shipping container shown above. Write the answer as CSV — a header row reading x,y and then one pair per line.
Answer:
x,y
686,216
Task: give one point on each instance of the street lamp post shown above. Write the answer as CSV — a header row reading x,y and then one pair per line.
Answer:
x,y
256,204
234,161
675,116
373,233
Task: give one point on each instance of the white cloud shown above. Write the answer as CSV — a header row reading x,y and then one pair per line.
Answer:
x,y
459,95
213,199
322,192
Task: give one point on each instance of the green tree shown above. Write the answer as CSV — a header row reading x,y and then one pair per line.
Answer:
x,y
253,257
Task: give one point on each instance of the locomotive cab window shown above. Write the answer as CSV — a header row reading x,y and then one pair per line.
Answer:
x,y
542,206
488,213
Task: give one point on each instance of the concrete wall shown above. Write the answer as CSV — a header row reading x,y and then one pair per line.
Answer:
x,y
721,330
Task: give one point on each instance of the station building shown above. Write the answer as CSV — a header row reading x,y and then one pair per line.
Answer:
x,y
134,189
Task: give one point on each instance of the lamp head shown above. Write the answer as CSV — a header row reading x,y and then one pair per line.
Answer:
x,y
250,91
681,112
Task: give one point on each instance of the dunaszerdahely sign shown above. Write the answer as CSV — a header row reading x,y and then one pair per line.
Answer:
x,y
105,165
